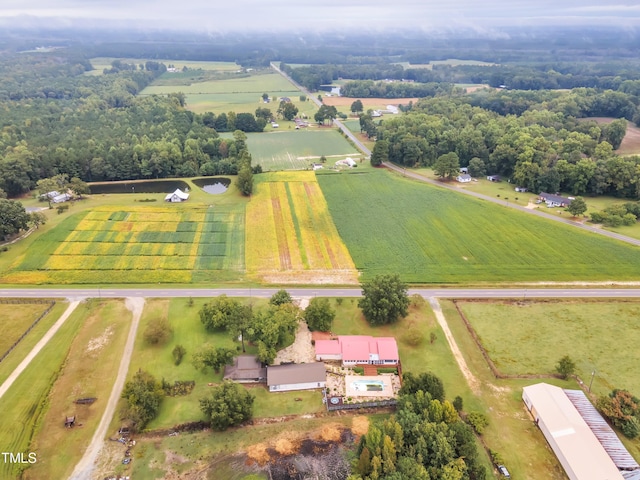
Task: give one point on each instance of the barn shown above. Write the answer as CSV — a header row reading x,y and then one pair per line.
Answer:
x,y
580,452
177,196
302,376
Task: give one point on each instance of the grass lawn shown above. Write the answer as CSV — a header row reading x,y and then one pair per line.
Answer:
x,y
13,329
16,319
298,149
530,337
89,371
431,235
25,403
511,431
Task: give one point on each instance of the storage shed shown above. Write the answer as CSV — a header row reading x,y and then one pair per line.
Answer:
x,y
577,448
303,376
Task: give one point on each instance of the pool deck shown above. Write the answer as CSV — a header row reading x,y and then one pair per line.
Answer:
x,y
386,392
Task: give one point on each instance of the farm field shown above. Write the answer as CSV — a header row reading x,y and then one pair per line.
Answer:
x,y
431,235
343,104
100,63
137,244
16,320
298,149
240,94
16,356
529,337
89,371
290,235
25,403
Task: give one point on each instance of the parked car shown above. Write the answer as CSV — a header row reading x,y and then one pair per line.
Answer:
x,y
503,471
126,461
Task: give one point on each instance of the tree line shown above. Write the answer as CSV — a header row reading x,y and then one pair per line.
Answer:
x,y
545,147
57,121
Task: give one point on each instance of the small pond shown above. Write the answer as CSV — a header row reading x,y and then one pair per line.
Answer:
x,y
213,185
150,186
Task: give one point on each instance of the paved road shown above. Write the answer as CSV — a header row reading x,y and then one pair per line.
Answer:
x,y
559,291
315,100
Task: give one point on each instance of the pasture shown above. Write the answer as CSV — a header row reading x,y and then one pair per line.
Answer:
x,y
100,63
25,403
16,320
298,149
89,371
290,235
529,337
138,244
431,235
242,93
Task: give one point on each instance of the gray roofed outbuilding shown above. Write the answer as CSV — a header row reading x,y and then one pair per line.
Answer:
x,y
296,373
245,369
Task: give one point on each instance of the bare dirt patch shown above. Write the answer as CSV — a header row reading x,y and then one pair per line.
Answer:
x,y
311,277
331,432
96,344
367,102
301,350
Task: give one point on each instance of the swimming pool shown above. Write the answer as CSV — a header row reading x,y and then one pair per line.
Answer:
x,y
367,385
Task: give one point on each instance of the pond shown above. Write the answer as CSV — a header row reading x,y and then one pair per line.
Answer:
x,y
212,185
150,186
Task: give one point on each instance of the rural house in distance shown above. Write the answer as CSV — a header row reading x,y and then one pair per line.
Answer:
x,y
359,350
301,376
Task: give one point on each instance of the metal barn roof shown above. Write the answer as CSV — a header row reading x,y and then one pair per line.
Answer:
x,y
603,432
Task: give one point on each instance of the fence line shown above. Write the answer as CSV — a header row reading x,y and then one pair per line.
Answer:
x,y
42,315
497,373
21,301
353,406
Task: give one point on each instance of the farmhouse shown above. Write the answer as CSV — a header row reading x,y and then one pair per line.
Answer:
x,y
177,196
359,350
302,376
463,178
56,197
245,369
585,445
554,200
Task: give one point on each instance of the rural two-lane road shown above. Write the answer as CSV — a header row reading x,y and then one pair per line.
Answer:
x,y
169,292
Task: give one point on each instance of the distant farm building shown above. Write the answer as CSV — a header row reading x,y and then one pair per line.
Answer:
x,y
493,178
300,123
303,376
463,178
359,350
177,196
70,421
464,170
316,166
554,200
56,197
246,369
521,189
347,162
587,448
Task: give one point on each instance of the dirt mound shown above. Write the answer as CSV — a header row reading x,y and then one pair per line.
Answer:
x,y
258,453
360,425
331,433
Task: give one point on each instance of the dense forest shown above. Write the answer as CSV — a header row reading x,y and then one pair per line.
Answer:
x,y
538,140
55,120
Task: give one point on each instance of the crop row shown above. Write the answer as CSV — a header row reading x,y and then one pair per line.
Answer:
x,y
427,234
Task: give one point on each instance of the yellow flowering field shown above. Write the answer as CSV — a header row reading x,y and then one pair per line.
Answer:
x,y
137,244
289,233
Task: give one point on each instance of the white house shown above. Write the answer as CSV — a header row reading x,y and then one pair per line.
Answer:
x,y
177,196
463,178
302,376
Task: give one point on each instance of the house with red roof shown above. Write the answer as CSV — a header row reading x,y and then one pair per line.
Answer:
x,y
359,350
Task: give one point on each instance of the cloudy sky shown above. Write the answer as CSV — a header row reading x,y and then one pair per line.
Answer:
x,y
371,14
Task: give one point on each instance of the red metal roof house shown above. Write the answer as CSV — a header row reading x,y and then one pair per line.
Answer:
x,y
359,350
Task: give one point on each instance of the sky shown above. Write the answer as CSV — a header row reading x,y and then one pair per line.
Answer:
x,y
225,15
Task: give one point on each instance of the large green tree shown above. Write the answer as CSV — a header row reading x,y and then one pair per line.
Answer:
x,y
319,315
13,218
357,107
447,165
143,395
274,328
212,357
384,299
380,153
227,405
287,110
245,180
577,206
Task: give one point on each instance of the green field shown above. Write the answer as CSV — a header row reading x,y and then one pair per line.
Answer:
x,y
240,94
530,337
16,319
25,402
174,244
100,63
431,235
298,149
